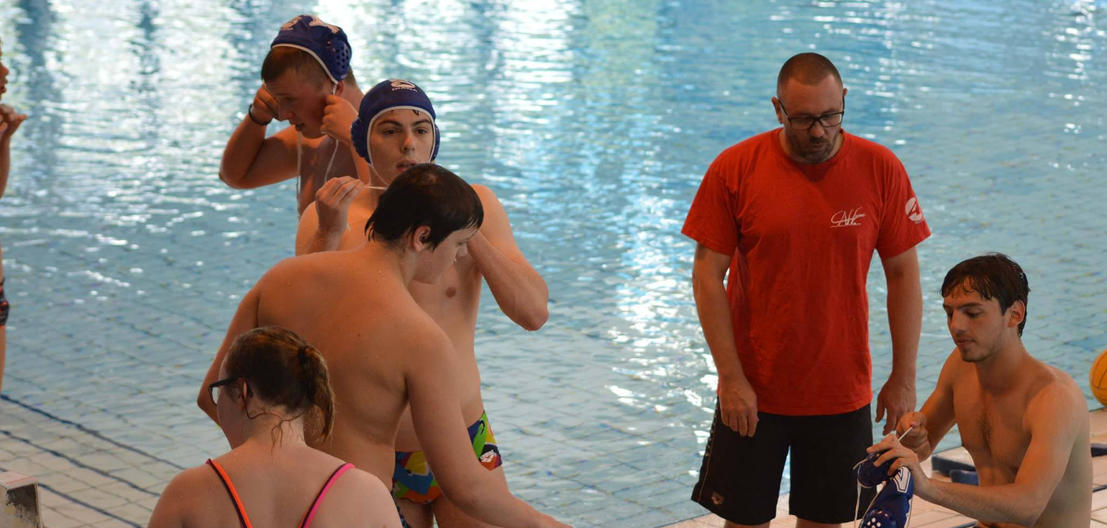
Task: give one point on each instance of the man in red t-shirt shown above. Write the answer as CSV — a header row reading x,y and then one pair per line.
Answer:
x,y
795,215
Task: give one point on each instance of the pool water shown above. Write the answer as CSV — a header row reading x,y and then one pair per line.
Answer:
x,y
593,121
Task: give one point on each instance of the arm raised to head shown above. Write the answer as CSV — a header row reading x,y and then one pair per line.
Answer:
x,y
518,289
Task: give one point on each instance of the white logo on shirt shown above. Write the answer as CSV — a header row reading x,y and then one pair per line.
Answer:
x,y
914,212
846,218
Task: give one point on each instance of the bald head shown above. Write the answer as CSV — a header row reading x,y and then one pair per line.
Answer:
x,y
806,68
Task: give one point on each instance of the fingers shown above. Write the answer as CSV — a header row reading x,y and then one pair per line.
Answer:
x,y
899,457
884,457
751,424
338,115
16,121
895,414
265,103
880,410
10,120
896,465
338,191
884,444
744,422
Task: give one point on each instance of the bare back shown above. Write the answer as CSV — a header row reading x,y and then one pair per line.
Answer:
x,y
277,487
452,302
997,429
364,325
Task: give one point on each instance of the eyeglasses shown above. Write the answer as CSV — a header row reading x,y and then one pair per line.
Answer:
x,y
832,119
216,384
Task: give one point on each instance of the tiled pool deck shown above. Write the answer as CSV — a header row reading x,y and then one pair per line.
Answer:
x,y
86,479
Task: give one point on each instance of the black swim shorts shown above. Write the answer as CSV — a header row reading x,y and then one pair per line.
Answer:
x,y
4,306
740,476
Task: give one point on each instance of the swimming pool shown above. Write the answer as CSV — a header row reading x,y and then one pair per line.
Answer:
x,y
593,122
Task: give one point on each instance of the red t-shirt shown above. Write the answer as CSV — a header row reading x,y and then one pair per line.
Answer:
x,y
803,237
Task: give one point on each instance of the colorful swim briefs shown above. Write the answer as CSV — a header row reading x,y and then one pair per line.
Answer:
x,y
413,480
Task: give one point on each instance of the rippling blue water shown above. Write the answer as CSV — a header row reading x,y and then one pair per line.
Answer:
x,y
593,121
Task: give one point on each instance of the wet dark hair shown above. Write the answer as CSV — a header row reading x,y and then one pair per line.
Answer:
x,y
807,68
283,58
993,276
282,369
425,195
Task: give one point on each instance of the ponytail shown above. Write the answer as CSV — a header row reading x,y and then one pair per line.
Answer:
x,y
283,369
315,381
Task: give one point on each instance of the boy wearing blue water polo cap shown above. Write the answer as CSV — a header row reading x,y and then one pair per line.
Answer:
x,y
405,133
395,129
307,82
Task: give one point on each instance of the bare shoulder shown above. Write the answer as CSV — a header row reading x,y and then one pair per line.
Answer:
x,y
1058,387
368,497
493,209
420,332
287,138
365,484
301,267
483,192
281,273
191,479
190,491
310,214
1055,400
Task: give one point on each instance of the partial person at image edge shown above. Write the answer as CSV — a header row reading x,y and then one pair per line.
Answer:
x,y
9,123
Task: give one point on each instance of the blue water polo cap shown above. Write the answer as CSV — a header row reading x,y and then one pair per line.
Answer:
x,y
389,95
325,42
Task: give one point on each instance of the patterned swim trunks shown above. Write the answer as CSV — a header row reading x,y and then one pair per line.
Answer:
x,y
413,480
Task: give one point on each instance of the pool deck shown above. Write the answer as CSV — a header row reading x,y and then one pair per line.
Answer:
x,y
86,479
928,515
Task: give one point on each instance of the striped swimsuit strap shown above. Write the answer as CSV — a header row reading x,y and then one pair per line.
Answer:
x,y
232,492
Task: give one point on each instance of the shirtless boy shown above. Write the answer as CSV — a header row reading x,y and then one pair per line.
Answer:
x,y
1024,423
395,129
383,351
307,82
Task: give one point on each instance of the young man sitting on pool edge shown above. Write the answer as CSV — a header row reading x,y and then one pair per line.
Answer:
x,y
1024,423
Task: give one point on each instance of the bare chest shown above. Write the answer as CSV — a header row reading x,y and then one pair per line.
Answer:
x,y
453,300
993,431
319,162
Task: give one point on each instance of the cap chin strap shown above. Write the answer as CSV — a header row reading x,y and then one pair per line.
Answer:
x,y
372,172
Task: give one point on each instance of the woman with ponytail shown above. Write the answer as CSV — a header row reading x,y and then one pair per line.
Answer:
x,y
271,384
